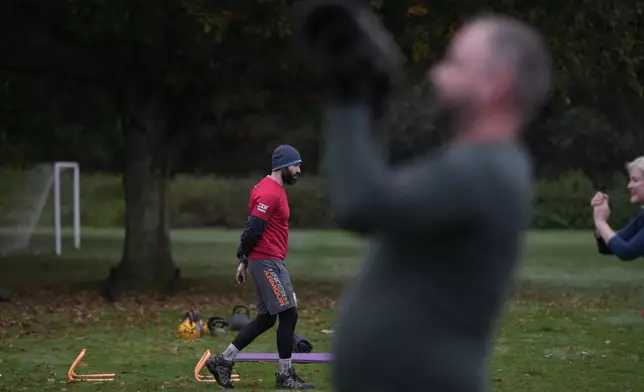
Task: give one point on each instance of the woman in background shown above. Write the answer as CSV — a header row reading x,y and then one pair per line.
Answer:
x,y
628,243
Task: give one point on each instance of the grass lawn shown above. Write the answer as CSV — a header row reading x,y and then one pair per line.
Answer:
x,y
573,323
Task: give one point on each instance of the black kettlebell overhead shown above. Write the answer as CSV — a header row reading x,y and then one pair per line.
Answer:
x,y
345,41
240,317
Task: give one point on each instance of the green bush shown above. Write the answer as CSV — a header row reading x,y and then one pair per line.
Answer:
x,y
224,202
562,203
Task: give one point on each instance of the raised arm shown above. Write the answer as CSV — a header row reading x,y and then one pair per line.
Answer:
x,y
628,250
367,195
626,233
627,244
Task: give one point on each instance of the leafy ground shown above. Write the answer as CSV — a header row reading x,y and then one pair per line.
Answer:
x,y
573,324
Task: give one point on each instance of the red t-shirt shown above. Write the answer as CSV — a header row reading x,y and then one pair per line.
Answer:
x,y
268,202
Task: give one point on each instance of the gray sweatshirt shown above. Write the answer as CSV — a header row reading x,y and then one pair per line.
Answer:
x,y
446,236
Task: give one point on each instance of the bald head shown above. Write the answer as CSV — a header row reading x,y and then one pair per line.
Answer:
x,y
519,49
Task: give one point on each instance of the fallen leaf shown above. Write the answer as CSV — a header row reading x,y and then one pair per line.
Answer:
x,y
419,10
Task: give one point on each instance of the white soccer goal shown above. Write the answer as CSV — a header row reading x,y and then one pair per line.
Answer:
x,y
58,166
22,215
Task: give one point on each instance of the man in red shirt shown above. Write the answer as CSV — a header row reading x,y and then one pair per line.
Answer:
x,y
263,248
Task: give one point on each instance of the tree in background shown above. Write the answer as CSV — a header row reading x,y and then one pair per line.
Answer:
x,y
150,70
147,87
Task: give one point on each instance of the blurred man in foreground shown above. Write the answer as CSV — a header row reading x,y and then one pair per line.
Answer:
x,y
447,231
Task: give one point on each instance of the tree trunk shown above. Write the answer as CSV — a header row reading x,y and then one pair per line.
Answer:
x,y
147,259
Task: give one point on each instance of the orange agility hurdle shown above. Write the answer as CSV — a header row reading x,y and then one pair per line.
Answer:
x,y
201,378
97,377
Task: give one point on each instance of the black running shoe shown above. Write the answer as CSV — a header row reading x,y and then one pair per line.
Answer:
x,y
291,380
222,369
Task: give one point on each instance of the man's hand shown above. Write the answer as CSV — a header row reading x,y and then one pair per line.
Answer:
x,y
347,43
241,272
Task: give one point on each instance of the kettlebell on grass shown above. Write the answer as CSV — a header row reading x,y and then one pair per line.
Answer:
x,y
218,326
301,345
192,327
240,317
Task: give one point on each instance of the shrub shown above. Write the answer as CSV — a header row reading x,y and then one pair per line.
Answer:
x,y
564,203
561,203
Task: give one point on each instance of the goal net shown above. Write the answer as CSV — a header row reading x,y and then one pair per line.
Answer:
x,y
36,205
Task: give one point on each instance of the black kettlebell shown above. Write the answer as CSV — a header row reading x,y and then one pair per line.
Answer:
x,y
345,41
240,317
218,325
301,345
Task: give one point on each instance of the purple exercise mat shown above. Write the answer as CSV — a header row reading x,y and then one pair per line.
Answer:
x,y
273,357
